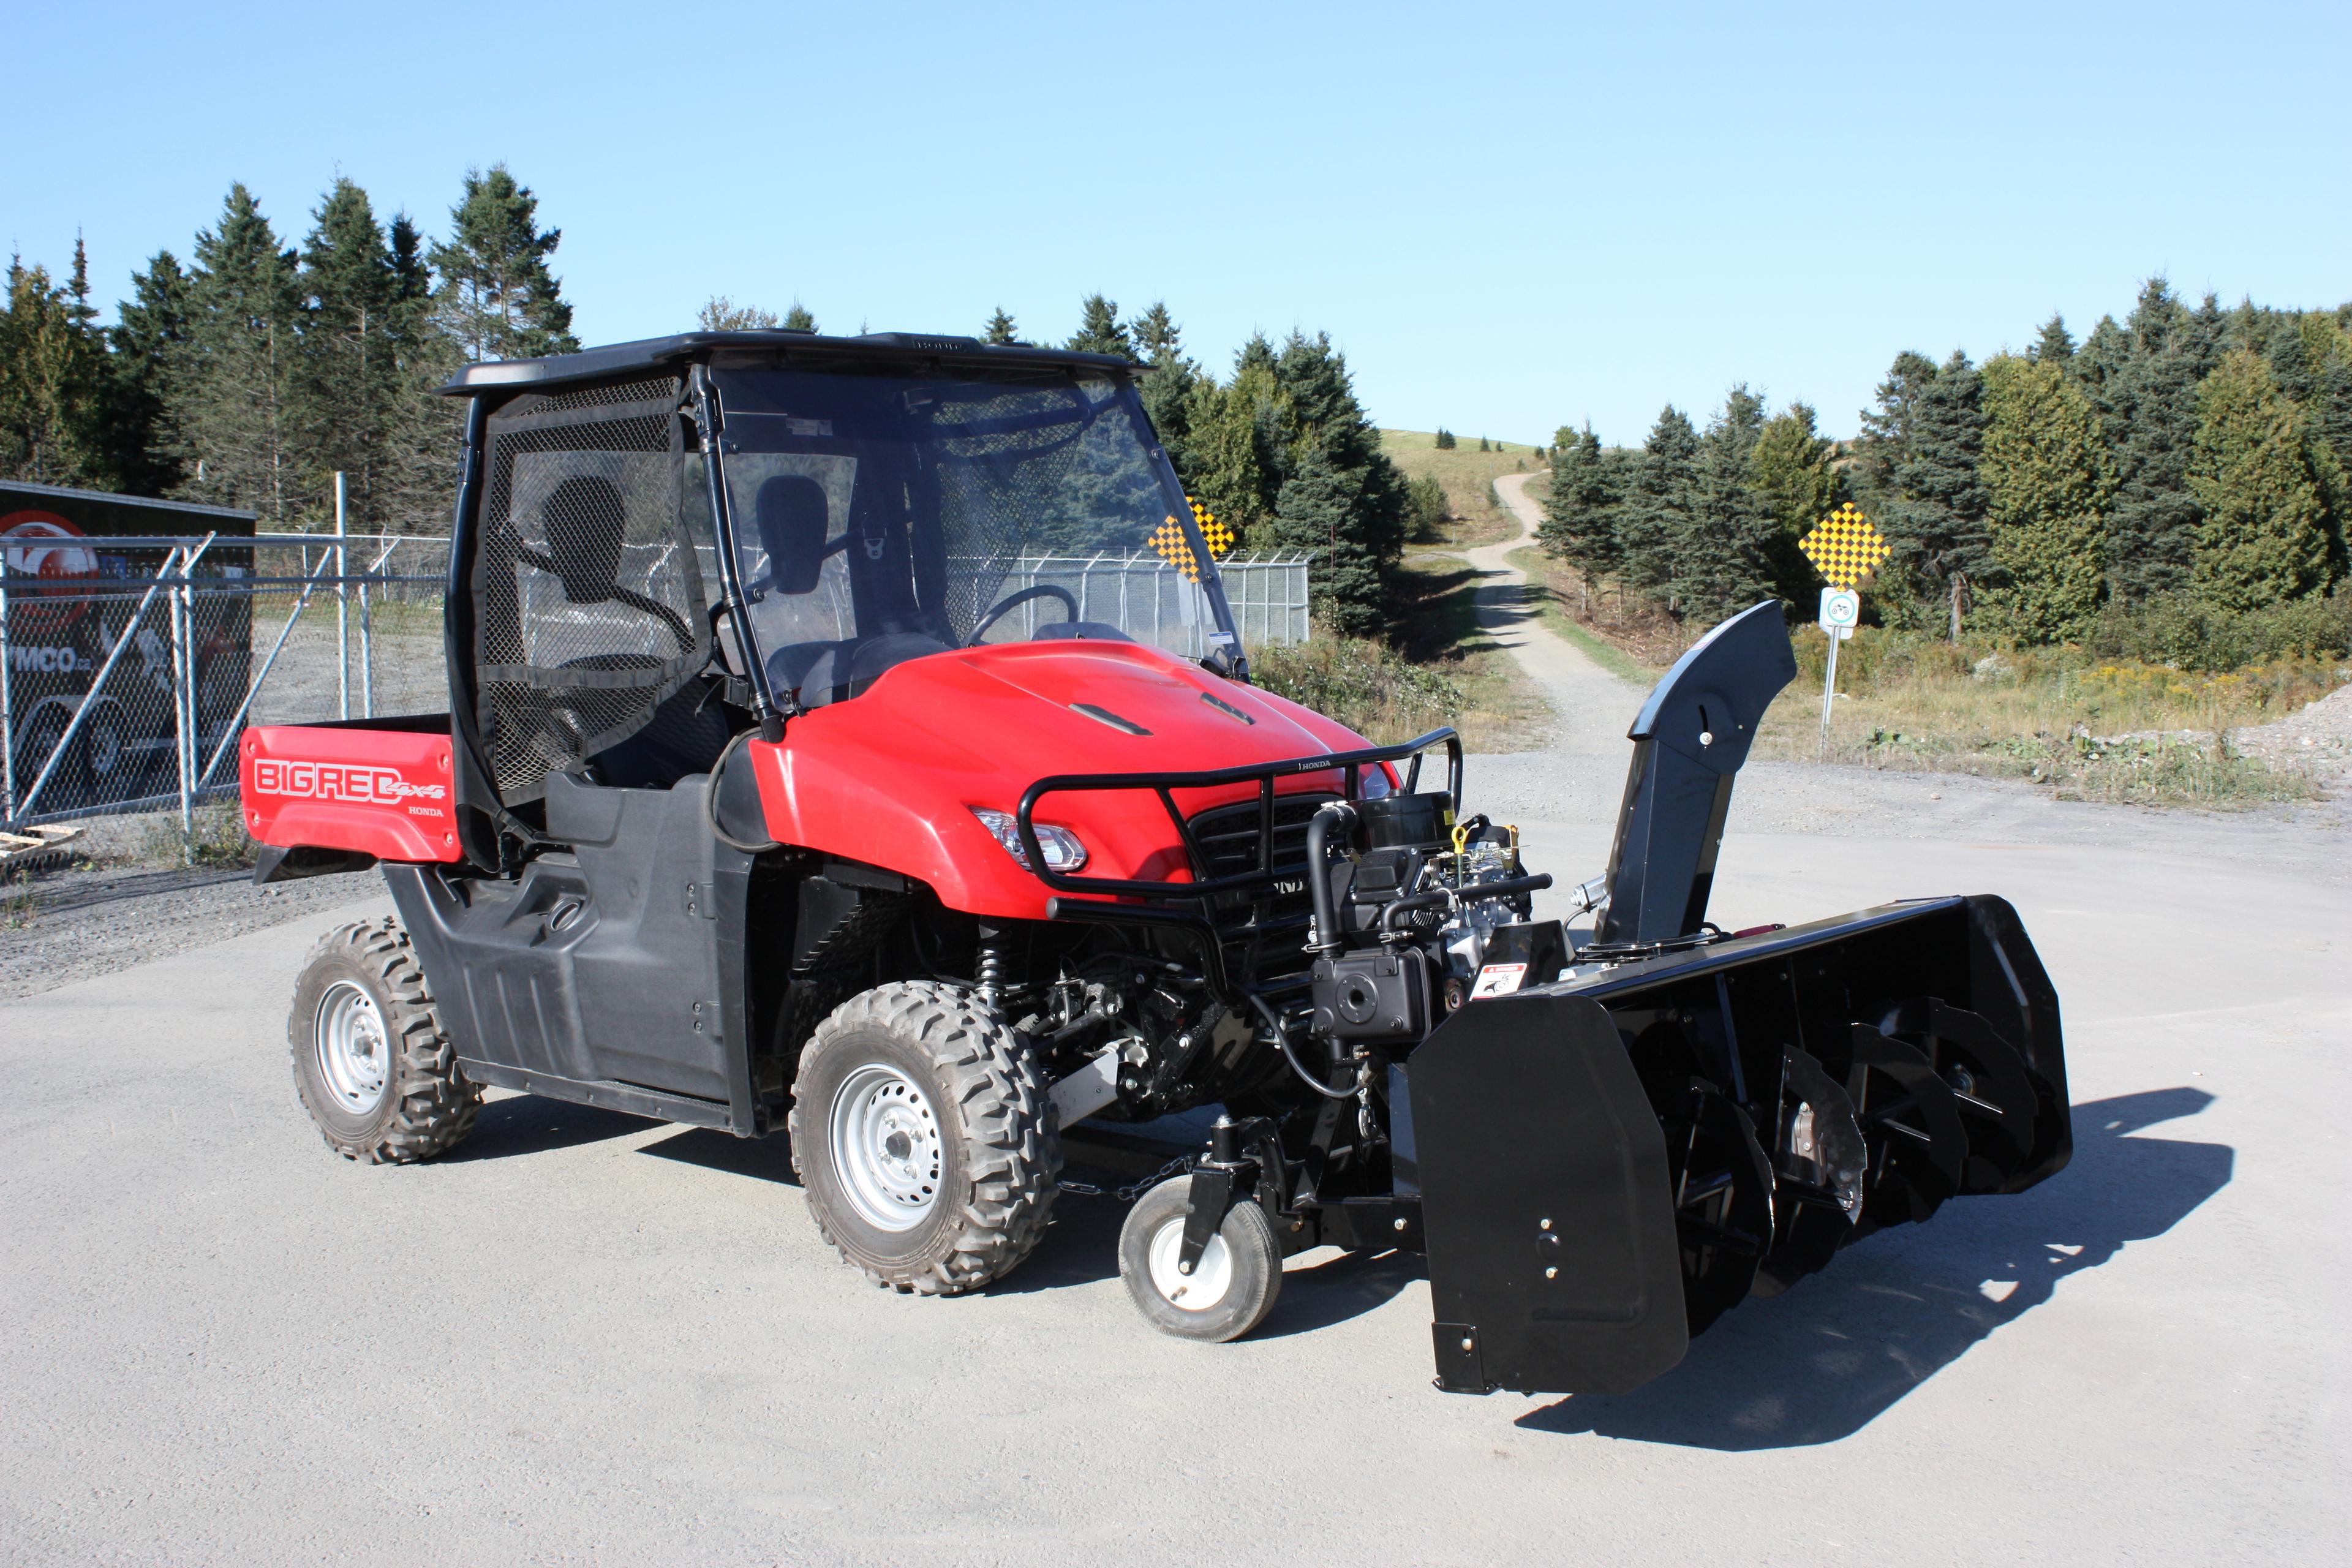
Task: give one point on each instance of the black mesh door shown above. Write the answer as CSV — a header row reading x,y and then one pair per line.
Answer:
x,y
589,604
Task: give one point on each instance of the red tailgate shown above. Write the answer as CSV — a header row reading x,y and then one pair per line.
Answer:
x,y
383,792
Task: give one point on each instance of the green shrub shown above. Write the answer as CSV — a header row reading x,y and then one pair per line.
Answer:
x,y
2191,634
1365,685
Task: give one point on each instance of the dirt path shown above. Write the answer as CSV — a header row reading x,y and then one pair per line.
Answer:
x,y
1594,706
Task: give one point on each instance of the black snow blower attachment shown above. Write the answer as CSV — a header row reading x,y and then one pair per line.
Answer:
x,y
1609,1162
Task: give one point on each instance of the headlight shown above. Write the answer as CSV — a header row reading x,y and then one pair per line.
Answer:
x,y
1063,851
1372,782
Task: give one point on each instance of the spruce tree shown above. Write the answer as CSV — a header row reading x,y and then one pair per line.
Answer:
x,y
1000,329
1328,426
1799,485
1885,440
347,383
231,399
721,314
497,298
416,470
2053,344
2262,535
797,318
1724,559
1444,442
1655,518
1318,509
2144,385
2047,479
1168,390
151,329
1579,523
53,381
1099,332
1937,522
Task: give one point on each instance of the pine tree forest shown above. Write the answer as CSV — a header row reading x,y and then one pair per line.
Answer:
x,y
2174,487
251,374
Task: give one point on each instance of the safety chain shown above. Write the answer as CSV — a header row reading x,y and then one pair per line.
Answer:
x,y
1127,1194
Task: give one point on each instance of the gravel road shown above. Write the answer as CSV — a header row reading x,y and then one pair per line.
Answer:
x,y
589,1338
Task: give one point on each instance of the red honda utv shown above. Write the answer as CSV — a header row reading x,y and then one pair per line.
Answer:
x,y
851,738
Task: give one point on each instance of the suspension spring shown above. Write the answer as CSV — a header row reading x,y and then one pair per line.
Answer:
x,y
990,966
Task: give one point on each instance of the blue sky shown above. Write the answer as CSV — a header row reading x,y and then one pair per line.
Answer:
x,y
1509,217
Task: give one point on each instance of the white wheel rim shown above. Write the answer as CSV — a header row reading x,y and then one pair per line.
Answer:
x,y
355,1055
1210,1279
885,1147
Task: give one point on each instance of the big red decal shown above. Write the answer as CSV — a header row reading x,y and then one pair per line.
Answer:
x,y
338,780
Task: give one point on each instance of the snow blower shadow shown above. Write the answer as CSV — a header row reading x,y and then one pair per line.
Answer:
x,y
1316,1295
1820,1362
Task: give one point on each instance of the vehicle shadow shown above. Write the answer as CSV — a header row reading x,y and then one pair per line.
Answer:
x,y
527,1124
1079,1248
768,1159
1821,1361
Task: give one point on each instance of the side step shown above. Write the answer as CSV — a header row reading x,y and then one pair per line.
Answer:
x,y
604,1094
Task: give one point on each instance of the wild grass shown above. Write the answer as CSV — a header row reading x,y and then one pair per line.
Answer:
x,y
218,839
2101,730
18,904
1365,685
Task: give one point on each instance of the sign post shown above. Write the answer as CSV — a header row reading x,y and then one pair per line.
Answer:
x,y
1845,549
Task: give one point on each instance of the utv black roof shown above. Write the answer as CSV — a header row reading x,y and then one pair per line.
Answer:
x,y
779,346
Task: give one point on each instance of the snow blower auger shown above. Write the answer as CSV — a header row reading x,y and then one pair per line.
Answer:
x,y
757,645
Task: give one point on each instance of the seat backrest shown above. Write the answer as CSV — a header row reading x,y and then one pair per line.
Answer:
x,y
792,516
585,519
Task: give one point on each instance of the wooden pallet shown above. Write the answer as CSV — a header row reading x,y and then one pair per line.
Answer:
x,y
36,848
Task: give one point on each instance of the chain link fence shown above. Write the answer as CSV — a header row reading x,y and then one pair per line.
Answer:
x,y
127,693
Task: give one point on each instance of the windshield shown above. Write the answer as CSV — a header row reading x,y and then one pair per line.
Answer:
x,y
881,517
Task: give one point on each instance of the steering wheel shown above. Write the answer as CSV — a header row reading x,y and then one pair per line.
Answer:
x,y
1014,601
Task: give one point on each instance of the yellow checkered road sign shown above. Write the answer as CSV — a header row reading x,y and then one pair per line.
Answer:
x,y
1220,537
1169,540
1845,547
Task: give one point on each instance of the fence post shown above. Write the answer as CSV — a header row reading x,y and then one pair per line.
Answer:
x,y
342,608
367,641
7,712
182,665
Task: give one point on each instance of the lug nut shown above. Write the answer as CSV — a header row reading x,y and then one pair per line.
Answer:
x,y
1545,1225
1399,1225
1552,1273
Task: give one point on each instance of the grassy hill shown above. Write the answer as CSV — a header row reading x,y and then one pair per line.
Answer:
x,y
1468,476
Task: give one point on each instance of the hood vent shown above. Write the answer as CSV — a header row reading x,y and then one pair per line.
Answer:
x,y
1105,716
1222,706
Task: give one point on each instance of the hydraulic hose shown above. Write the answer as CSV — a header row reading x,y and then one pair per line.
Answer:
x,y
1281,1041
710,799
1326,943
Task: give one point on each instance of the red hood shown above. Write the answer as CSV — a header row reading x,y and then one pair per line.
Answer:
x,y
889,777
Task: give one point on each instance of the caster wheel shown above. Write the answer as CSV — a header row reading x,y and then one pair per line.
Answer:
x,y
1232,1288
